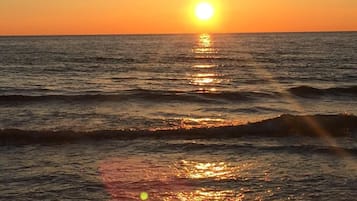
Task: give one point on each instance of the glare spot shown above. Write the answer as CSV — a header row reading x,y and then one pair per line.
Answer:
x,y
144,196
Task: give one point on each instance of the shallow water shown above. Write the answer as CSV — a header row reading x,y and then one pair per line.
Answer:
x,y
235,169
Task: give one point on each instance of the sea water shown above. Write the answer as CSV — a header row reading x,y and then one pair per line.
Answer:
x,y
110,117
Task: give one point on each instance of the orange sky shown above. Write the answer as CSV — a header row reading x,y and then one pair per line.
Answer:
x,y
42,17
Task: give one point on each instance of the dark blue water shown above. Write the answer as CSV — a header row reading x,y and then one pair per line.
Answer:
x,y
109,117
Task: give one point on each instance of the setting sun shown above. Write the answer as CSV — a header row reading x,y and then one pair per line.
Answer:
x,y
204,11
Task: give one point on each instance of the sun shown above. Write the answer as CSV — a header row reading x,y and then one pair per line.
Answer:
x,y
204,11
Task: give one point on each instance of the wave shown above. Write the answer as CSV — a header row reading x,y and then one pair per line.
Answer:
x,y
308,91
122,60
142,94
177,96
320,126
190,59
201,147
98,60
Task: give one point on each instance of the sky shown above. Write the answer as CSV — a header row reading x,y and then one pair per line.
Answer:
x,y
67,17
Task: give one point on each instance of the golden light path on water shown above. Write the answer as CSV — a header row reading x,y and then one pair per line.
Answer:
x,y
131,178
206,77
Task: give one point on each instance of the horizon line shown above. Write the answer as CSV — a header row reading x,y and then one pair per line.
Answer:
x,y
189,33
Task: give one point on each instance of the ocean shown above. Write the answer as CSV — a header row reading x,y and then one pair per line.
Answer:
x,y
201,117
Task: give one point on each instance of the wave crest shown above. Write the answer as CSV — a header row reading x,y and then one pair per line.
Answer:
x,y
142,94
282,126
308,91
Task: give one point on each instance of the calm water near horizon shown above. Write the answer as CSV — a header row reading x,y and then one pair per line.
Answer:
x,y
128,83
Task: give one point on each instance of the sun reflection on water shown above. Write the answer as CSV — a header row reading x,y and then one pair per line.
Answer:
x,y
185,180
205,74
203,79
204,46
207,195
190,123
205,40
204,66
216,171
206,77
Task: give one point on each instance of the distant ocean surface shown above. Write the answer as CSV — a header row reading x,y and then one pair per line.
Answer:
x,y
181,117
